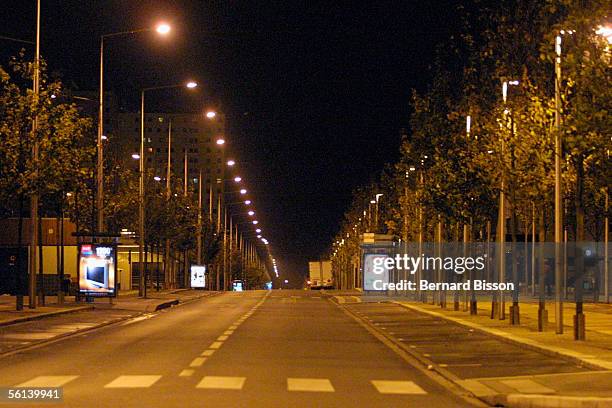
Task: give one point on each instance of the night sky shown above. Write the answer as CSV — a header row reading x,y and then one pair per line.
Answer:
x,y
315,92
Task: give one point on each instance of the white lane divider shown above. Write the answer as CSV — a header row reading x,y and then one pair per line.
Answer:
x,y
222,383
197,362
133,381
309,385
397,387
138,319
49,381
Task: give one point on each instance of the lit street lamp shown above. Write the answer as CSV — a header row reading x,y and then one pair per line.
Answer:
x,y
142,290
161,29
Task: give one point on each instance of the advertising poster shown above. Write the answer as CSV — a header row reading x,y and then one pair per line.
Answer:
x,y
372,275
198,276
97,269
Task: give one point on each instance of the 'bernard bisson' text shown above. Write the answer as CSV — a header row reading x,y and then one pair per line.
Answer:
x,y
476,284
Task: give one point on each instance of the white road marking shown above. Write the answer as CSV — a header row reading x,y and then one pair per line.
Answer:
x,y
222,338
137,319
222,383
30,336
49,381
197,362
397,387
133,381
216,345
186,373
208,353
309,384
528,386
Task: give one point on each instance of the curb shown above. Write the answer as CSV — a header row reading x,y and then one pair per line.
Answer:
x,y
167,304
551,401
531,345
43,315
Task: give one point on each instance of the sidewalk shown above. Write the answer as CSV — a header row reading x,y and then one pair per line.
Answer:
x,y
127,300
586,389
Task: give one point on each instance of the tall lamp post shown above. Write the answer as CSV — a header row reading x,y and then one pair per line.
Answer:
x,y
34,198
161,29
502,212
142,291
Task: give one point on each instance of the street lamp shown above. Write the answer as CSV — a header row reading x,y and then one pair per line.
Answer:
x,y
142,291
501,218
243,191
211,114
220,141
161,29
237,179
231,163
251,213
247,202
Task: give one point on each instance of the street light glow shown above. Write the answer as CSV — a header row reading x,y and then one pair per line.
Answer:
x,y
605,32
162,28
255,222
237,179
231,163
157,178
243,191
258,236
220,142
258,230
191,84
211,114
247,202
135,156
251,213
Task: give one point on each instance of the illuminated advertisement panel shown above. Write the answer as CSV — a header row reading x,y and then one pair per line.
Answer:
x,y
198,276
97,269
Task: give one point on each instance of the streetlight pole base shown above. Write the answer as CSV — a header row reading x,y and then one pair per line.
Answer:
x,y
579,327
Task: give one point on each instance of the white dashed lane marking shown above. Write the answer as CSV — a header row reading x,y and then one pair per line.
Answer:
x,y
397,387
133,381
309,384
49,381
222,383
197,362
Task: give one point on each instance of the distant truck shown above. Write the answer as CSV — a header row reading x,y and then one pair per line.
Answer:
x,y
320,275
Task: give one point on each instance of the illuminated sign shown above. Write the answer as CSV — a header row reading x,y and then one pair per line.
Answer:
x,y
198,276
97,269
